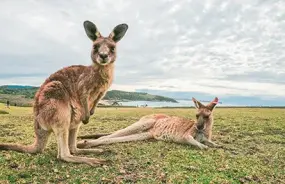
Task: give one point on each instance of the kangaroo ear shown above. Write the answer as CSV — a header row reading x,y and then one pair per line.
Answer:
x,y
213,104
197,104
118,32
91,30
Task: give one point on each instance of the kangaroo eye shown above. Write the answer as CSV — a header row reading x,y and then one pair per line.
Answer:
x,y
96,47
112,49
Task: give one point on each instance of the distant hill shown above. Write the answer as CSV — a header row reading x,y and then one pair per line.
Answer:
x,y
23,95
135,96
17,87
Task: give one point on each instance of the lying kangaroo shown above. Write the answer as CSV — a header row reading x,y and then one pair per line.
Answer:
x,y
70,96
166,128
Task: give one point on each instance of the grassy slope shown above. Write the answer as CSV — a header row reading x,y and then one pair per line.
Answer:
x,y
254,141
20,100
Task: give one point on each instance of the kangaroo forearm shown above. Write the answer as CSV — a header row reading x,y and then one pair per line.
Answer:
x,y
94,106
85,114
84,104
192,141
95,103
209,142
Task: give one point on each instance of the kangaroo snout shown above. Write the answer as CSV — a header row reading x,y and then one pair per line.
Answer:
x,y
200,126
103,56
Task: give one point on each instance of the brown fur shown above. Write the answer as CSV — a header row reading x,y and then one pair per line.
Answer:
x,y
69,96
166,128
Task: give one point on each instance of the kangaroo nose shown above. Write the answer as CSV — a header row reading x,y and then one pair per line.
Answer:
x,y
103,56
200,126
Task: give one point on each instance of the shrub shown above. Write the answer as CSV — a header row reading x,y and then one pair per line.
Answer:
x,y
3,112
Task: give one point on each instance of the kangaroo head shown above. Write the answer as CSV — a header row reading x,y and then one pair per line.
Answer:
x,y
204,112
104,48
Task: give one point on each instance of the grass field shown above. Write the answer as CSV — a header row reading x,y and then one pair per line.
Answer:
x,y
253,140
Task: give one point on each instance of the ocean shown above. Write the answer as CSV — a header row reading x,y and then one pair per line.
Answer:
x,y
181,103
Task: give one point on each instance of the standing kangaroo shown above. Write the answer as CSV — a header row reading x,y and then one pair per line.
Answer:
x,y
70,96
166,128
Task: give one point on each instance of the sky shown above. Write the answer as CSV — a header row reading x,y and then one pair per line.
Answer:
x,y
208,47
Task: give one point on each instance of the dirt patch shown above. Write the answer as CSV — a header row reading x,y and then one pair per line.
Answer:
x,y
249,179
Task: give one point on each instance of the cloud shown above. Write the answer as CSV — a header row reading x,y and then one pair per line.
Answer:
x,y
213,47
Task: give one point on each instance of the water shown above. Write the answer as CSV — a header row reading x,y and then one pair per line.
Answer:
x,y
181,103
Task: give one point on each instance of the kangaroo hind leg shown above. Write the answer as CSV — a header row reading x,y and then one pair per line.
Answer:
x,y
72,144
135,128
64,152
128,138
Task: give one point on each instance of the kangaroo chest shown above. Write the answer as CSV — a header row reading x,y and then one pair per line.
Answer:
x,y
99,89
199,136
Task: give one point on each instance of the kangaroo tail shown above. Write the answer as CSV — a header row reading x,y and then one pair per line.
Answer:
x,y
33,148
94,136
38,146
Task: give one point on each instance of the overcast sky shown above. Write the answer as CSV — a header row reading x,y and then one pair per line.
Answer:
x,y
218,47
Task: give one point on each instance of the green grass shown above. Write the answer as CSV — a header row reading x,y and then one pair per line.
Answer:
x,y
254,141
